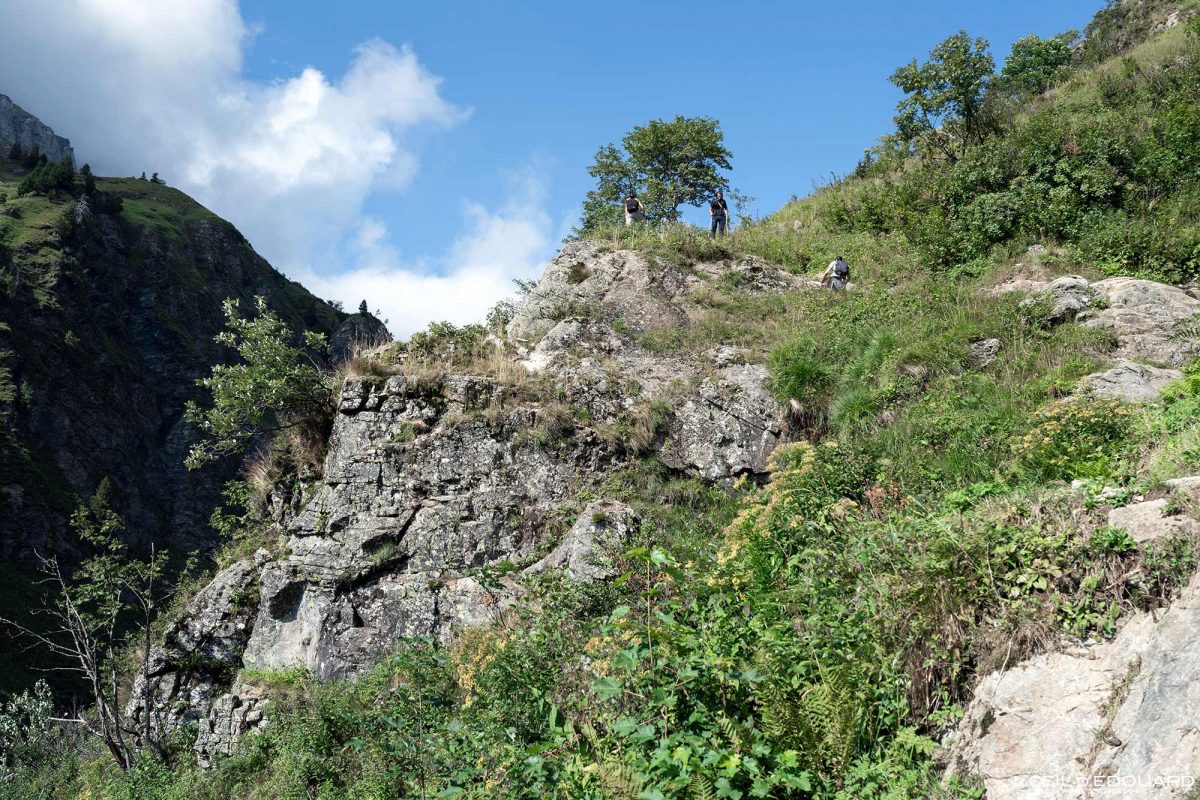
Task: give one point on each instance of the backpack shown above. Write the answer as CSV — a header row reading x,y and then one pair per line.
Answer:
x,y
841,269
631,205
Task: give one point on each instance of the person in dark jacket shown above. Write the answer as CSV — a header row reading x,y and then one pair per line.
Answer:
x,y
718,213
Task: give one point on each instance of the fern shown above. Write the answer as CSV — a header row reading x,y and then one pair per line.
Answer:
x,y
620,780
701,788
821,722
1187,329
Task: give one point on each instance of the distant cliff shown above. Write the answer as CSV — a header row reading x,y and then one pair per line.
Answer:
x,y
18,125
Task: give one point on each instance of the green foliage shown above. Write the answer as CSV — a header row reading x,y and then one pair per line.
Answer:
x,y
944,102
89,180
449,345
800,372
27,734
276,386
1035,63
1076,437
814,636
47,177
668,164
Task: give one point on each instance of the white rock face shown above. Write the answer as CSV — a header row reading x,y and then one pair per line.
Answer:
x,y
1115,721
1150,520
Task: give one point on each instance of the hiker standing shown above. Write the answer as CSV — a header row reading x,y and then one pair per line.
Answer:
x,y
718,213
634,210
837,274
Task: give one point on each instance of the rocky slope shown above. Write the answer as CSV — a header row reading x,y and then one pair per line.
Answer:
x,y
439,495
1105,720
19,126
442,494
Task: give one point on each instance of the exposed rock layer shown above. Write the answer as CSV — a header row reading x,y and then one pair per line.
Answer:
x,y
440,494
19,126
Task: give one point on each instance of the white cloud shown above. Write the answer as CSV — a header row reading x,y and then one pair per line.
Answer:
x,y
478,270
160,86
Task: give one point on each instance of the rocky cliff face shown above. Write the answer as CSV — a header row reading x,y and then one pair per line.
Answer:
x,y
19,126
106,326
434,486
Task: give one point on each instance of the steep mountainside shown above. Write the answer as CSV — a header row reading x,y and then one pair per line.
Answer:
x,y
18,126
682,523
107,324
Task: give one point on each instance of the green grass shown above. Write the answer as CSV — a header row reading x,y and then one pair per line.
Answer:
x,y
816,635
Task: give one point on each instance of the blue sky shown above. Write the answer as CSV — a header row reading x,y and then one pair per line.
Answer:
x,y
424,154
800,87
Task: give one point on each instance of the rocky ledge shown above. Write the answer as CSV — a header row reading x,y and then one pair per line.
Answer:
x,y
441,494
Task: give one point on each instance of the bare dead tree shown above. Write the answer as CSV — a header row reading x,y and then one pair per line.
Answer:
x,y
109,601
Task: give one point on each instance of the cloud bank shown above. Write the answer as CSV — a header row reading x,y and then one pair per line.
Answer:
x,y
145,85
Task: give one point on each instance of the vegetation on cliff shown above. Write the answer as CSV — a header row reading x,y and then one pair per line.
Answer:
x,y
816,635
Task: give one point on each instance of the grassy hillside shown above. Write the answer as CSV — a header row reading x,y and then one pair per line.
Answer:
x,y
817,636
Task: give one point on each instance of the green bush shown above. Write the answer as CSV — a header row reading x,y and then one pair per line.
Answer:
x,y
1076,437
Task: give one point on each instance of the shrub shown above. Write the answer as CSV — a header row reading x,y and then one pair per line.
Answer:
x,y
801,372
1076,437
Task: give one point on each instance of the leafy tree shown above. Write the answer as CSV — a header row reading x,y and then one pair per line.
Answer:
x,y
32,158
945,95
27,731
362,308
277,386
668,164
1035,63
110,601
15,153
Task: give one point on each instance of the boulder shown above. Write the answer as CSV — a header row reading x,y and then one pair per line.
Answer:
x,y
983,352
234,714
1130,381
584,282
728,427
586,552
358,332
1148,320
1110,721
1152,520
1070,296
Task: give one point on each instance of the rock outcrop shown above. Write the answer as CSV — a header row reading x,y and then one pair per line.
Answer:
x,y
1130,381
1155,328
1152,322
1099,721
357,333
441,494
19,126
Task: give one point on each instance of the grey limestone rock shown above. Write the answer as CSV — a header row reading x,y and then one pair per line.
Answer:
x,y
19,126
232,715
1146,318
1130,381
983,352
586,552
728,427
430,485
1151,520
1070,296
1115,720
